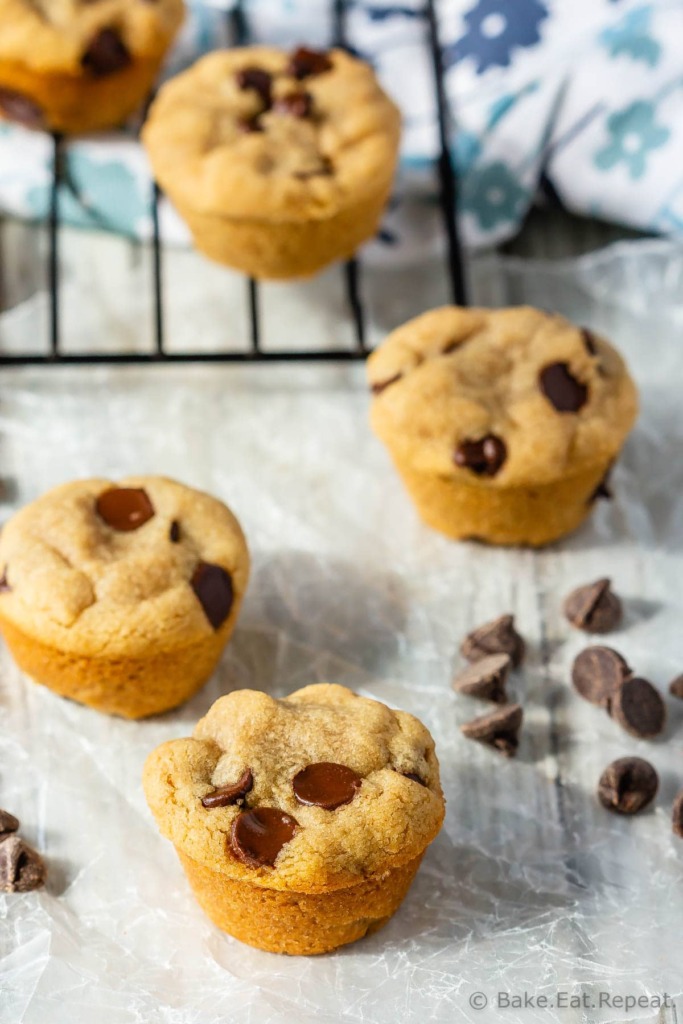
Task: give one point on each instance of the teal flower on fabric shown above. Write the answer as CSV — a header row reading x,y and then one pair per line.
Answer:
x,y
465,150
632,38
493,195
634,133
98,195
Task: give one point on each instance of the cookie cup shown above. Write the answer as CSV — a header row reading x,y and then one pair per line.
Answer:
x,y
299,923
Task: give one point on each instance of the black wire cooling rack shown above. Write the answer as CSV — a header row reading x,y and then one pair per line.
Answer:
x,y
447,182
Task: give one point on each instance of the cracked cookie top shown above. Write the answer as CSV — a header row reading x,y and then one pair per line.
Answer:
x,y
309,793
92,36
508,397
103,569
257,132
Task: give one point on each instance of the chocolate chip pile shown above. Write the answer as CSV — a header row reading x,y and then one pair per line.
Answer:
x,y
304,63
22,869
599,674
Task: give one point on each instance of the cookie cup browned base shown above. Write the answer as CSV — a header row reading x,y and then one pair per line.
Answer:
x,y
130,687
74,104
299,923
285,249
531,516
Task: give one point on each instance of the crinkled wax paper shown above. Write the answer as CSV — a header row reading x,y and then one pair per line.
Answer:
x,y
532,886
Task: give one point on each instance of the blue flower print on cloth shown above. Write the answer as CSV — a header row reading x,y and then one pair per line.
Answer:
x,y
634,132
587,93
495,28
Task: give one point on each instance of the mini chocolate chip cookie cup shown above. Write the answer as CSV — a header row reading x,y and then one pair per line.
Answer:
x,y
503,424
280,163
300,823
121,596
87,66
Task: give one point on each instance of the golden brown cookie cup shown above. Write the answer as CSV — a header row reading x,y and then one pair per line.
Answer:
x,y
73,104
287,249
522,516
299,923
127,686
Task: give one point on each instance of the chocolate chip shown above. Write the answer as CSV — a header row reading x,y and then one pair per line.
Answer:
x,y
20,108
259,80
499,729
589,341
677,815
124,508
4,582
597,673
484,457
298,104
414,777
603,489
232,793
627,785
326,784
305,62
594,608
676,687
258,836
564,392
21,868
174,532
250,124
106,54
8,823
378,388
638,708
496,637
213,586
485,678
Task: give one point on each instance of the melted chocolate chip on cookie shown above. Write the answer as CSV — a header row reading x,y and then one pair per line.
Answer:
x,y
233,793
297,104
305,63
174,532
213,586
22,109
326,784
124,508
564,392
259,80
484,457
258,836
106,54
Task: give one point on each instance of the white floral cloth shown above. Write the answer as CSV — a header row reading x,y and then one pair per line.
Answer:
x,y
584,94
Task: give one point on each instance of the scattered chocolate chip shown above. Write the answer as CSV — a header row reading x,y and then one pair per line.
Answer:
x,y
484,457
298,104
597,673
627,785
174,532
594,608
485,678
498,729
21,868
259,80
326,784
124,508
589,341
378,388
8,823
496,637
4,582
564,392
213,586
106,54
638,708
258,836
20,108
305,62
677,815
603,490
676,687
414,777
232,793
